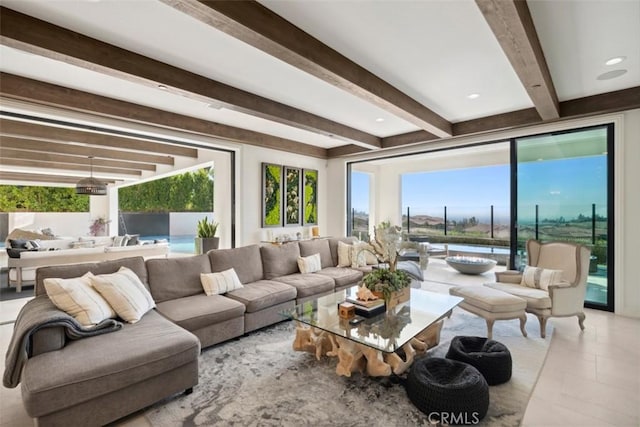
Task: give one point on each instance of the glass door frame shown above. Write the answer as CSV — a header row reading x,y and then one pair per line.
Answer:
x,y
610,128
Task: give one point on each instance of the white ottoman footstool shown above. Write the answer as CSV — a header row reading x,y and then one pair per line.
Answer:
x,y
491,305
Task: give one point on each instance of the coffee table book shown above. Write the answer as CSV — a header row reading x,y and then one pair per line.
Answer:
x,y
370,311
368,304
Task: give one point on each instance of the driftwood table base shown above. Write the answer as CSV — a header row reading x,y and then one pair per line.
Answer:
x,y
355,357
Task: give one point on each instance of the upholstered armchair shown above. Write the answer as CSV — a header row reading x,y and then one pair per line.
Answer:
x,y
556,286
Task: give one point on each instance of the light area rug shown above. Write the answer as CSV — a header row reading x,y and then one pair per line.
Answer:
x,y
258,380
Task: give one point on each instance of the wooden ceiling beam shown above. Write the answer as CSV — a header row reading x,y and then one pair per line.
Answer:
x,y
344,150
62,159
34,177
10,159
263,29
42,38
610,102
511,23
22,88
101,156
408,138
44,132
528,116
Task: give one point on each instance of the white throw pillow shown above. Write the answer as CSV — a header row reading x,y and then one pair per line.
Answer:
x,y
120,241
79,299
33,244
310,264
125,293
220,283
541,278
344,254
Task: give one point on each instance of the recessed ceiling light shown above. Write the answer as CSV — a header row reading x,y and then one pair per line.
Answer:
x,y
379,120
162,87
611,74
473,96
616,60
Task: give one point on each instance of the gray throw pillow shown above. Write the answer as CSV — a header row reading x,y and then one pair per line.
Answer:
x,y
412,268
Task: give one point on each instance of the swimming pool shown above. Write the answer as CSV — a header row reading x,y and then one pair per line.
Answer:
x,y
477,249
184,244
499,254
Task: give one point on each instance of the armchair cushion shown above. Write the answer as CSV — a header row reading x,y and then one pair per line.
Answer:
x,y
541,278
536,298
509,276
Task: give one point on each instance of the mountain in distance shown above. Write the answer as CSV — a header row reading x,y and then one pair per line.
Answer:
x,y
424,220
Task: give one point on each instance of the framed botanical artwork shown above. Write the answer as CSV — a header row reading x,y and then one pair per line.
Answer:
x,y
292,196
271,195
310,196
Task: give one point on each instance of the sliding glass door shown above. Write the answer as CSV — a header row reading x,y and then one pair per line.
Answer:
x,y
563,193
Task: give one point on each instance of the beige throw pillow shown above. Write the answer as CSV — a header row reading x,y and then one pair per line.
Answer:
x,y
369,254
344,254
358,256
310,264
540,278
125,293
220,283
79,299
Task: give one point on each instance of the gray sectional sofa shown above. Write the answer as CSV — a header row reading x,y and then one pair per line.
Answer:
x,y
96,380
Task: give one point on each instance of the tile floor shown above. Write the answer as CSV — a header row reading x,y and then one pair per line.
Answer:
x,y
590,378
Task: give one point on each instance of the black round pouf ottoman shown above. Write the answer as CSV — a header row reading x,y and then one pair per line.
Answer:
x,y
447,390
490,357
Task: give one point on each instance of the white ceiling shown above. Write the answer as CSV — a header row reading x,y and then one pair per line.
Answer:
x,y
435,51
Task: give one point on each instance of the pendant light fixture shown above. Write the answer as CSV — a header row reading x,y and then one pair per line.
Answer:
x,y
91,186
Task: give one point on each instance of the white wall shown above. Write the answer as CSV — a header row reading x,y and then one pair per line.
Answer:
x,y
627,196
627,292
249,193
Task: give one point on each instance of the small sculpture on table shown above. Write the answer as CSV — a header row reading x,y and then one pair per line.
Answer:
x,y
365,294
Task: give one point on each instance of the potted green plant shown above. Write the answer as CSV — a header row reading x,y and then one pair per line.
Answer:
x,y
386,280
206,238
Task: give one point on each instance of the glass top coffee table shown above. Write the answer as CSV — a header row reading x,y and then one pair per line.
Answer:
x,y
371,343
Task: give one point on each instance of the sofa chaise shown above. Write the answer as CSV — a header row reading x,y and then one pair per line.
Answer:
x,y
96,380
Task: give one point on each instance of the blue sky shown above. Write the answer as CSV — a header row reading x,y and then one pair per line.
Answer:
x,y
564,187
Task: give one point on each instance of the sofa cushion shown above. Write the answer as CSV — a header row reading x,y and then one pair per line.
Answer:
x,y
280,260
263,294
124,292
309,264
344,254
136,264
308,284
171,278
333,247
342,276
92,367
18,243
78,298
317,246
199,311
220,283
535,298
245,261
